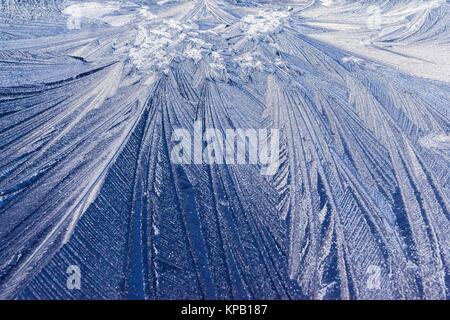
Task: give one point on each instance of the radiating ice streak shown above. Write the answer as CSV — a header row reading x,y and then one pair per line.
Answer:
x,y
86,176
409,35
46,134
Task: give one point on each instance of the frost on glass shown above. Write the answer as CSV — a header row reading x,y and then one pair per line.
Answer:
x,y
91,205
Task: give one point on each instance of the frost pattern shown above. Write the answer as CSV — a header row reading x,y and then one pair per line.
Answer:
x,y
86,117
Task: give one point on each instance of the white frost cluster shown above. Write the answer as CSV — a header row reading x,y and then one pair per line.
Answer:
x,y
91,10
263,22
146,14
158,42
249,62
352,60
196,47
150,49
217,65
327,3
